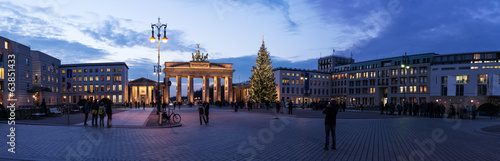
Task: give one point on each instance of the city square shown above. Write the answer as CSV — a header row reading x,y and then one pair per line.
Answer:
x,y
250,80
258,135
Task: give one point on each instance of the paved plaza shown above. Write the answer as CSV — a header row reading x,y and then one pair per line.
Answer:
x,y
257,135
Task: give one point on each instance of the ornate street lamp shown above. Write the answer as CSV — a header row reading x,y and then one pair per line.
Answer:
x,y
158,25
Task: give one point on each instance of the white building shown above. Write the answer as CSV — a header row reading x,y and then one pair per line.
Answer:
x,y
290,85
94,80
466,78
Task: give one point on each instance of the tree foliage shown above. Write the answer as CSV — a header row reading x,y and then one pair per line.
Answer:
x,y
263,87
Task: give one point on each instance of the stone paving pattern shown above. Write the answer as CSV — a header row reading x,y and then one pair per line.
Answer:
x,y
258,135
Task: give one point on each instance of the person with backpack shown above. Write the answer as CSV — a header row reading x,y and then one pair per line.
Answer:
x,y
95,107
86,110
102,113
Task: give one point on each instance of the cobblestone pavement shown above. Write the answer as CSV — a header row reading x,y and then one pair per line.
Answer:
x,y
260,136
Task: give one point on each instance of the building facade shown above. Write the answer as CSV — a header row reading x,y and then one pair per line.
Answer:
x,y
142,90
327,64
466,78
290,84
46,85
15,77
385,80
94,80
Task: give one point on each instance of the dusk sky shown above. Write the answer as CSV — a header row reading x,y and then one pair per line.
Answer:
x,y
296,32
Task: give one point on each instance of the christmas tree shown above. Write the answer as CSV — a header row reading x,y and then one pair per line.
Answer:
x,y
263,87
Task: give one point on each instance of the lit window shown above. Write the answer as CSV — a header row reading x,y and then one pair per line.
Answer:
x,y
462,79
114,87
120,69
287,74
74,70
96,78
27,74
477,56
108,78
85,78
63,71
79,70
482,78
7,45
85,88
120,88
108,70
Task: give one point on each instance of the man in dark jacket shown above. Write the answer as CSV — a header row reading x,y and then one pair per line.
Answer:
x,y
330,121
290,106
109,112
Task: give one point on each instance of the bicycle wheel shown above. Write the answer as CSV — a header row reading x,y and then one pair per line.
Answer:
x,y
176,118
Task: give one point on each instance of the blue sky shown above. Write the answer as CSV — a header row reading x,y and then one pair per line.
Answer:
x,y
297,32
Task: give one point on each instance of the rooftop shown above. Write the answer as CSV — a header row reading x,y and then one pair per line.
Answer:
x,y
94,64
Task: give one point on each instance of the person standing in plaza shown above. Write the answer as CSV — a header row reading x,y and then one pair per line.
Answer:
x,y
109,112
144,105
202,115
330,112
290,106
86,110
473,109
95,108
207,108
102,114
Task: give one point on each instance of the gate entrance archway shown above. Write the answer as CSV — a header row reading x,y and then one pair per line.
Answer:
x,y
199,68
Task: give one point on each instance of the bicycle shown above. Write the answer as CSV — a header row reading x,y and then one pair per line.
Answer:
x,y
176,118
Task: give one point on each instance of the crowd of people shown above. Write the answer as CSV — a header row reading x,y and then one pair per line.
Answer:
x,y
98,110
429,109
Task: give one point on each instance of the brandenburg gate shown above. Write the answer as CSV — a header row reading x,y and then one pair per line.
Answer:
x,y
199,67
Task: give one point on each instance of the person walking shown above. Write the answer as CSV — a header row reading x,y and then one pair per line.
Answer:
x,y
207,108
144,105
95,108
201,112
109,112
474,113
330,112
290,106
86,110
102,114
